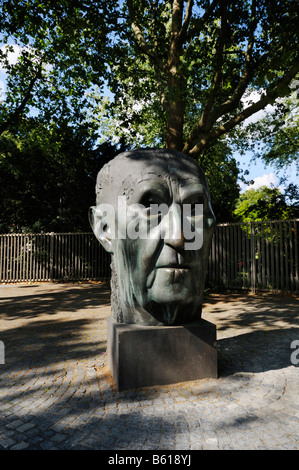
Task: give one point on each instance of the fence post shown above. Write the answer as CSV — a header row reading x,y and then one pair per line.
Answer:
x,y
51,256
253,262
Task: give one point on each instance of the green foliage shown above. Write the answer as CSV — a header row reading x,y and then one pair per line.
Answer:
x,y
63,47
174,69
224,52
222,174
275,138
47,178
193,61
267,204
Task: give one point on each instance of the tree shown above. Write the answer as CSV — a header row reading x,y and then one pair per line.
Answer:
x,y
193,64
268,204
47,177
184,68
62,53
275,137
222,174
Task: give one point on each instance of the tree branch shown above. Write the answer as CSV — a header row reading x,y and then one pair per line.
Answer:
x,y
176,25
186,22
248,70
161,92
209,117
140,38
19,109
265,99
219,64
199,23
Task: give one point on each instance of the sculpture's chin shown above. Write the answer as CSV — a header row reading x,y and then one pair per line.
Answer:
x,y
172,314
160,313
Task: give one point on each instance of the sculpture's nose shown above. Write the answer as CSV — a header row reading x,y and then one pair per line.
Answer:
x,y
173,230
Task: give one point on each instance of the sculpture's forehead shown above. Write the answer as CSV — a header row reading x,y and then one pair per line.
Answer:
x,y
130,169
134,172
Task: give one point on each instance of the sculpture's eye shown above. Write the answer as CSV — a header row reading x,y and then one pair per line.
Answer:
x,y
149,199
196,208
154,204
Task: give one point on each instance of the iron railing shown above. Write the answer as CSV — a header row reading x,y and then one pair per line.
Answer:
x,y
255,255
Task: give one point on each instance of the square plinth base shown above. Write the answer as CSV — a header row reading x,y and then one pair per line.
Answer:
x,y
140,356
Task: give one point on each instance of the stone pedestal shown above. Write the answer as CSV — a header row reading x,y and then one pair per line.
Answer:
x,y
140,356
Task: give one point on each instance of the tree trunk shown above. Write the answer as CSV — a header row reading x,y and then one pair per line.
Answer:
x,y
176,107
175,123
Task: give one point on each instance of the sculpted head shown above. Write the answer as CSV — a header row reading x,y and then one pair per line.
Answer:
x,y
153,214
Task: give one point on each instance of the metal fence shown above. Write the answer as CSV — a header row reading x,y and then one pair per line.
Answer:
x,y
52,256
256,255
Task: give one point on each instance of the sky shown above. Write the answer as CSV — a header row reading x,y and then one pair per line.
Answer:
x,y
266,175
261,174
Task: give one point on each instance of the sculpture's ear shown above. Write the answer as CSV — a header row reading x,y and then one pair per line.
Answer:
x,y
102,221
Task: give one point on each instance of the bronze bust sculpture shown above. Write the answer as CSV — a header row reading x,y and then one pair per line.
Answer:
x,y
153,214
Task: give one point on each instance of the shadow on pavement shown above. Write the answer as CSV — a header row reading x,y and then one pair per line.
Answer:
x,y
257,312
65,300
51,342
44,345
258,351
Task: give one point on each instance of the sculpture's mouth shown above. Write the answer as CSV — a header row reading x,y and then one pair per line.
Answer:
x,y
174,273
174,266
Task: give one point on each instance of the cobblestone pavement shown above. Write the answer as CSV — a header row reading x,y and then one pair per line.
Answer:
x,y
57,393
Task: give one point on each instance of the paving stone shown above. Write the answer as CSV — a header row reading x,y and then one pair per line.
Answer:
x,y
64,398
25,427
6,443
16,423
20,446
59,437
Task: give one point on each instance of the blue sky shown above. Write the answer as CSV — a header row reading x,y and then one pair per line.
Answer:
x,y
261,174
265,175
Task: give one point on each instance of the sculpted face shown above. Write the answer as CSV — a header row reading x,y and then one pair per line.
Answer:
x,y
159,249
